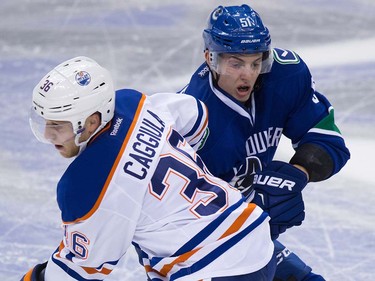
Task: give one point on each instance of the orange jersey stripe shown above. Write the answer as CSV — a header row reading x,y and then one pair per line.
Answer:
x,y
168,267
240,220
61,246
232,229
91,270
27,276
148,268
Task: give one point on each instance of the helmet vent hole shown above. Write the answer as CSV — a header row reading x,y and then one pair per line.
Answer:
x,y
100,85
61,108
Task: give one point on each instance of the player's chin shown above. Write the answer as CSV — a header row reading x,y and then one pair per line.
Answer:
x,y
64,152
65,155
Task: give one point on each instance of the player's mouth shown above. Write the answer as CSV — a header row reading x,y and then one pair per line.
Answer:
x,y
59,147
243,89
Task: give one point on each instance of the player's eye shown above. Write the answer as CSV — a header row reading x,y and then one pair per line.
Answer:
x,y
256,65
235,64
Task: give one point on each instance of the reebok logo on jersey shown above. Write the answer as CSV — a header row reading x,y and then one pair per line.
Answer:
x,y
204,71
274,181
116,126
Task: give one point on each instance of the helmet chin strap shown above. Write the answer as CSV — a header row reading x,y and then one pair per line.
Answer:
x,y
82,145
215,77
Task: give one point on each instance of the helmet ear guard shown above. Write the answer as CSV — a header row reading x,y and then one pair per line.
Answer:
x,y
72,91
237,29
267,61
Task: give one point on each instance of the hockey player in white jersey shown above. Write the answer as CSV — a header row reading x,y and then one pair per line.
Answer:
x,y
136,180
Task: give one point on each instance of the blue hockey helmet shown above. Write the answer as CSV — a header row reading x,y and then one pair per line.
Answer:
x,y
237,29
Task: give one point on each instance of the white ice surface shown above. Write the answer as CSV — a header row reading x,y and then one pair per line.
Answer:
x,y
155,45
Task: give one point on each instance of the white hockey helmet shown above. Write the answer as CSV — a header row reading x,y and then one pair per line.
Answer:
x,y
72,91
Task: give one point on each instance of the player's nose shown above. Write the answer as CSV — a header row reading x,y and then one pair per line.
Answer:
x,y
49,134
248,72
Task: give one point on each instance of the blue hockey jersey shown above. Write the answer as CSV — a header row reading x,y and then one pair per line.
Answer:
x,y
285,104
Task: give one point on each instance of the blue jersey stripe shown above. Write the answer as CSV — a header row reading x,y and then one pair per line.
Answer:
x,y
219,250
70,271
202,235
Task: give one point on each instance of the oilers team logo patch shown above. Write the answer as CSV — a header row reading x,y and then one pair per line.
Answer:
x,y
83,78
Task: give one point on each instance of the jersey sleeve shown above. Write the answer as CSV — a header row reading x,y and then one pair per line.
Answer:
x,y
190,116
92,247
78,259
312,119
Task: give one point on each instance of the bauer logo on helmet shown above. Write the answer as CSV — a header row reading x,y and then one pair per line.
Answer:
x,y
83,78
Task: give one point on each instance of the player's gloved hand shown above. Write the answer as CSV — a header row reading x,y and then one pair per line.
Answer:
x,y
36,273
278,191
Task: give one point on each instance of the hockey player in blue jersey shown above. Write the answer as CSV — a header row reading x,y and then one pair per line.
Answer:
x,y
255,94
135,180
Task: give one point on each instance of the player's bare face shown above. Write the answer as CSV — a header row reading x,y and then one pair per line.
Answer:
x,y
238,74
61,135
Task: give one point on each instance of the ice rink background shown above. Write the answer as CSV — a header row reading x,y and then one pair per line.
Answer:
x,y
153,46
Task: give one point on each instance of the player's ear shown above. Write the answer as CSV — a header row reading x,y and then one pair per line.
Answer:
x,y
93,122
207,56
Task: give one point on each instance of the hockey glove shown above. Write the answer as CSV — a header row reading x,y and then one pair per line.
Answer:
x,y
36,273
278,191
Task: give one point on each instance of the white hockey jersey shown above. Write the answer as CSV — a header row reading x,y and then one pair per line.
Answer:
x,y
139,182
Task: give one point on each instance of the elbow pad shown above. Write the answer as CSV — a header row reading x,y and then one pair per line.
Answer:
x,y
36,273
315,160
